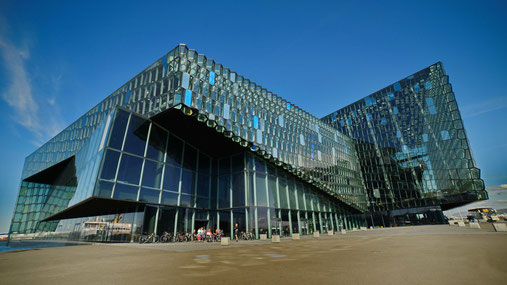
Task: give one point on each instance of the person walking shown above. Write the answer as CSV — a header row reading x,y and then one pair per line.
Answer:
x,y
236,232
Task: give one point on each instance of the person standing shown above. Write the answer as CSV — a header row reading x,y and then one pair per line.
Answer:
x,y
236,232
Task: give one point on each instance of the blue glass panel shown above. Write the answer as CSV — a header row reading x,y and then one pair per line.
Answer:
x,y
130,169
256,122
342,122
384,121
397,86
125,192
425,137
367,101
398,133
390,95
346,149
288,106
349,121
427,85
185,80
369,116
416,88
395,110
188,97
445,135
148,195
127,97
212,78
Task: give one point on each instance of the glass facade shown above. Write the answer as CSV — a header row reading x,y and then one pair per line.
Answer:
x,y
189,143
412,145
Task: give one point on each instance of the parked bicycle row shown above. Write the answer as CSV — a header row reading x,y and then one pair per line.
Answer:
x,y
200,235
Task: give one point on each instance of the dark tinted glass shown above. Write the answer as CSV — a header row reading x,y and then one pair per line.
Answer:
x,y
152,174
187,182
171,178
119,126
110,165
137,134
156,144
130,169
169,198
148,195
104,189
125,192
190,158
174,151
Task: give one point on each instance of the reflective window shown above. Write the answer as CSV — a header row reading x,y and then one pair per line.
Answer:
x,y
186,200
187,182
137,135
169,198
174,151
130,169
149,195
125,192
110,165
445,135
156,145
152,174
104,189
171,178
190,158
119,126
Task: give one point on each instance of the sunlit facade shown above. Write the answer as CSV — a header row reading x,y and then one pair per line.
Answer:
x,y
188,143
413,149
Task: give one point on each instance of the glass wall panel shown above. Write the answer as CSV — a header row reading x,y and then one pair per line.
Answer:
x,y
125,192
171,178
169,198
238,189
152,174
130,169
110,164
137,134
157,142
104,189
188,182
149,195
118,131
260,184
174,151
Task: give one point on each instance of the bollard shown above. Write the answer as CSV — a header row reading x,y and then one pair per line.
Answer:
x,y
316,234
461,224
225,241
295,236
500,227
330,233
363,228
275,238
354,229
475,226
343,232
263,236
371,227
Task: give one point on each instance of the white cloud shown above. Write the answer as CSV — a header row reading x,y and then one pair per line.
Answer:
x,y
19,94
494,104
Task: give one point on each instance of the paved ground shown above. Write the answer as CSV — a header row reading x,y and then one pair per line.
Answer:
x,y
410,255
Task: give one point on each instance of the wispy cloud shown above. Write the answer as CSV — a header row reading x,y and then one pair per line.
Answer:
x,y
19,94
474,110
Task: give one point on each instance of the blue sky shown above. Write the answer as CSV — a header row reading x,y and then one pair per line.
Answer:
x,y
60,58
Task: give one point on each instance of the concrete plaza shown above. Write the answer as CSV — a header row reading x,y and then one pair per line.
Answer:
x,y
409,255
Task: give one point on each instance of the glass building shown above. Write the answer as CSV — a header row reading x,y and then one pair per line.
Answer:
x,y
413,150
188,143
